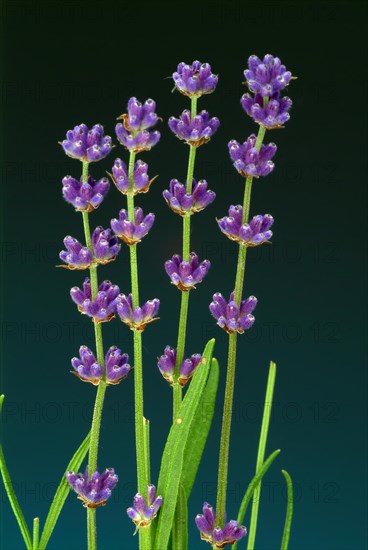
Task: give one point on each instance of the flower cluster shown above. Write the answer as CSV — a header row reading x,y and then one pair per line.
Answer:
x,y
141,182
248,161
195,80
87,145
254,233
105,248
266,79
95,490
230,316
132,232
185,275
103,307
88,369
183,203
85,196
137,318
166,364
195,131
145,510
217,537
133,133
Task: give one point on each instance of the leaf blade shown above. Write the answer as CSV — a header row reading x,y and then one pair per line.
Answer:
x,y
289,511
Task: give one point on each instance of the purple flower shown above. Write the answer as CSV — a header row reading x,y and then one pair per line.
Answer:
x,y
132,232
85,197
76,256
266,77
184,203
185,275
88,369
195,80
219,538
103,307
230,316
271,115
93,491
254,233
194,131
141,181
137,317
133,132
87,145
105,246
117,366
166,364
145,510
248,161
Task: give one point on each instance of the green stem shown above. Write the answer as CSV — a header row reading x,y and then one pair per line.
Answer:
x,y
231,365
36,533
261,452
101,390
289,512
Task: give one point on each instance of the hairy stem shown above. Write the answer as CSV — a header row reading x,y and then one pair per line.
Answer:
x,y
231,365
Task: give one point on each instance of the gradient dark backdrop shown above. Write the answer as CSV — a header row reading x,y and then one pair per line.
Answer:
x,y
68,62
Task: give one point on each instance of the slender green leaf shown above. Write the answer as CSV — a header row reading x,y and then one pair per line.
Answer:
x,y
61,494
172,458
12,497
289,511
36,532
252,487
180,528
200,429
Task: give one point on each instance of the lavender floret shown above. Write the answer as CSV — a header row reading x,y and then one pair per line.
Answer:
x,y
230,316
132,232
272,115
133,133
267,76
87,145
185,275
85,197
101,309
141,181
217,537
88,369
76,256
184,203
105,245
117,366
145,510
195,80
166,365
137,318
93,491
196,131
254,233
248,161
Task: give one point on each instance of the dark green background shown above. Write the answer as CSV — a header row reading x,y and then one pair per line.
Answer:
x,y
72,62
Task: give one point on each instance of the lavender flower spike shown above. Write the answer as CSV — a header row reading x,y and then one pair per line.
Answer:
x,y
248,161
87,368
254,233
139,317
184,203
103,307
132,232
105,246
87,145
266,77
93,491
195,80
85,197
196,131
166,364
185,275
144,511
229,316
272,115
133,131
141,181
75,256
219,538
